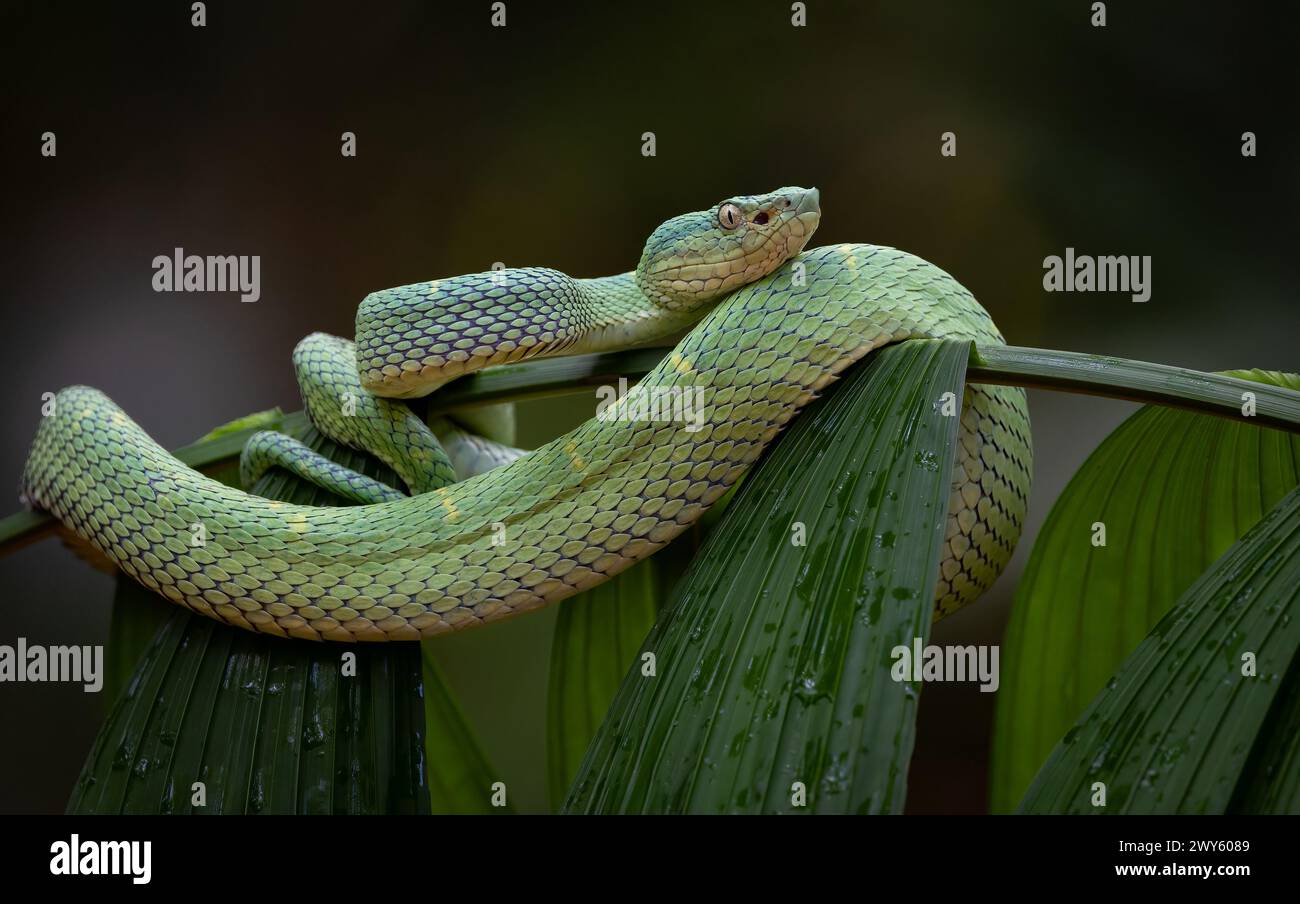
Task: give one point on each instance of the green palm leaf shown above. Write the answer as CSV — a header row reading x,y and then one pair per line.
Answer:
x,y
1187,724
773,660
597,636
1174,491
460,776
1271,780
263,727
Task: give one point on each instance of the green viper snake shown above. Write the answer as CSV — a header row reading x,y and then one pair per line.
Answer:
x,y
766,326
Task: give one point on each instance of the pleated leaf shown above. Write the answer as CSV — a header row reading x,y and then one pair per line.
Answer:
x,y
269,725
597,636
1195,717
1270,783
773,660
1173,490
265,726
460,776
137,617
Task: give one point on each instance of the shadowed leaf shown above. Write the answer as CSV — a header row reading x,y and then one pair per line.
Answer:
x,y
597,636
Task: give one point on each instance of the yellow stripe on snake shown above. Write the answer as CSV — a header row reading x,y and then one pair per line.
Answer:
x,y
769,325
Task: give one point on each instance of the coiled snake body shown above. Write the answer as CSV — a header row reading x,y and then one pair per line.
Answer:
x,y
772,325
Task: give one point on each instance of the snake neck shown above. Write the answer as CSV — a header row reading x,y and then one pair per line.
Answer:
x,y
413,339
623,317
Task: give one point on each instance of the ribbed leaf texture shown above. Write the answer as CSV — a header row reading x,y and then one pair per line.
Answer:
x,y
1197,719
772,660
597,636
1174,490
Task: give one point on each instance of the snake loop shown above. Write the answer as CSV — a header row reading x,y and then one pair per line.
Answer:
x,y
761,344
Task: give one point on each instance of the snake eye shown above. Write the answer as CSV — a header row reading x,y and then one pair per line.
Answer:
x,y
729,216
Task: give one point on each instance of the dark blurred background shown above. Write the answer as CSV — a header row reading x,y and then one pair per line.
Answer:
x,y
523,145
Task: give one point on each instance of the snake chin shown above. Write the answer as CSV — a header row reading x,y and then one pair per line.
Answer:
x,y
801,231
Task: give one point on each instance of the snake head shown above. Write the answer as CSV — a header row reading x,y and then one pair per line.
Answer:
x,y
696,258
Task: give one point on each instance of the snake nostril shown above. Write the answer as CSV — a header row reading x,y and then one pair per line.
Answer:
x,y
760,219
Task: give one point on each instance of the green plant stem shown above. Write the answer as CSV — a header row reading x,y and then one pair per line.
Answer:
x,y
1035,368
1136,381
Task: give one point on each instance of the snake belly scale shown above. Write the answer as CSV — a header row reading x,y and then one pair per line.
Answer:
x,y
759,344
